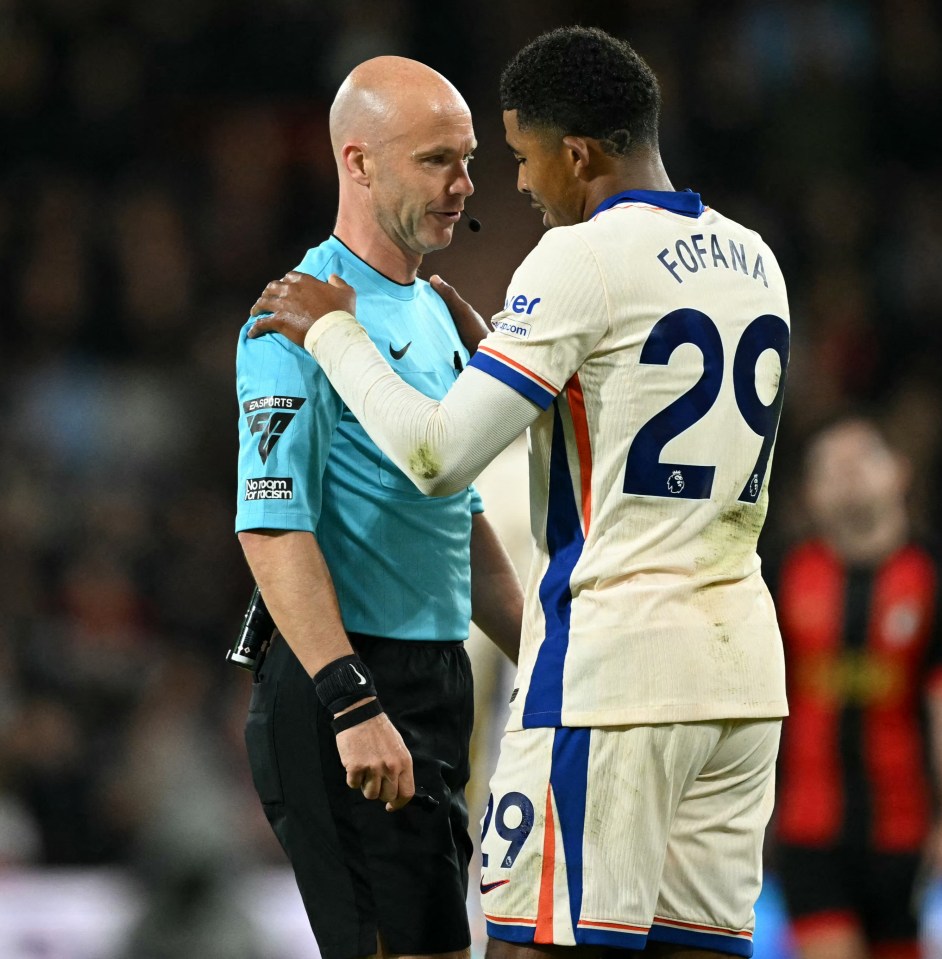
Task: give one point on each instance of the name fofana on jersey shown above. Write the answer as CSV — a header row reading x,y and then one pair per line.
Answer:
x,y
694,256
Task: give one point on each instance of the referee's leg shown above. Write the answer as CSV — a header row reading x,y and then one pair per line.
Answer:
x,y
364,873
459,954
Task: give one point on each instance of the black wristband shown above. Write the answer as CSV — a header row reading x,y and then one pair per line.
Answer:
x,y
343,682
356,716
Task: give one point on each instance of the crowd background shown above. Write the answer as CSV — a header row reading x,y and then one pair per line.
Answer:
x,y
161,161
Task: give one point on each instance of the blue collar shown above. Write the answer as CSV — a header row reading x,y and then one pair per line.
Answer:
x,y
685,202
400,291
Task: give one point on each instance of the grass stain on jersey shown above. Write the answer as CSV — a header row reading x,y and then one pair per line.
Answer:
x,y
725,538
424,464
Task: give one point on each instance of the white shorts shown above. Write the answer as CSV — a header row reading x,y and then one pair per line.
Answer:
x,y
654,832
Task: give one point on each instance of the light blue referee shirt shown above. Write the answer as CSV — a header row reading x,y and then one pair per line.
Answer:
x,y
400,561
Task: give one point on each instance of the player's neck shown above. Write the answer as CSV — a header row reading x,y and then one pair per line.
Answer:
x,y
644,171
374,247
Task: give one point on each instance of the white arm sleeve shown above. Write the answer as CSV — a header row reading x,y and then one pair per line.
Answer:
x,y
440,446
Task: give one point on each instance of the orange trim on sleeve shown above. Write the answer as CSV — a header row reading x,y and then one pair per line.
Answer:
x,y
519,366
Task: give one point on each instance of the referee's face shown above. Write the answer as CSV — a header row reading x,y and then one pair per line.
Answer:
x,y
544,173
419,178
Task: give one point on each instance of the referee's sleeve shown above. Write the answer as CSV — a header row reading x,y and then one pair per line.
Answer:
x,y
288,412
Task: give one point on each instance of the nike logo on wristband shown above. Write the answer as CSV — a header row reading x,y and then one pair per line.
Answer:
x,y
361,679
487,887
399,354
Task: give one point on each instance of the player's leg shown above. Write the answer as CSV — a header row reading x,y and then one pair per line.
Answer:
x,y
507,950
498,949
576,832
664,950
713,871
458,954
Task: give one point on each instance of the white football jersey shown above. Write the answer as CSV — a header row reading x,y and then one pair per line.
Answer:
x,y
655,337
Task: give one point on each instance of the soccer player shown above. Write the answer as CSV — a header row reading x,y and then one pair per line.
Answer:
x,y
644,343
859,609
370,583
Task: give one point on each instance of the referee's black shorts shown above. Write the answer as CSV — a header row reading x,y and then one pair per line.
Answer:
x,y
362,870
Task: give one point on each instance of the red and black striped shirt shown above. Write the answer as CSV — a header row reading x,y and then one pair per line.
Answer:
x,y
862,647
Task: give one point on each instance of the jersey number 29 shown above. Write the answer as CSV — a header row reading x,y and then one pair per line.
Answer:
x,y
645,474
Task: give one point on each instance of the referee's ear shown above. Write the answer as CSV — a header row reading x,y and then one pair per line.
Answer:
x,y
353,159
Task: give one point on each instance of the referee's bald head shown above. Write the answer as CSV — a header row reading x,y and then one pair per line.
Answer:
x,y
385,98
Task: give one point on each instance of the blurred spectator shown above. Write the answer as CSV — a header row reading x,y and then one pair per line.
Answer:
x,y
859,610
176,783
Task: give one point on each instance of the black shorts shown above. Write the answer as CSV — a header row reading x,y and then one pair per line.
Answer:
x,y
362,870
875,888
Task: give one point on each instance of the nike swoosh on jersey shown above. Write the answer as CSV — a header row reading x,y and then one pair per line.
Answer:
x,y
361,679
399,354
487,887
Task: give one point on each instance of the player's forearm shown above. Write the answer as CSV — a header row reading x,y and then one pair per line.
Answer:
x,y
294,580
442,446
496,594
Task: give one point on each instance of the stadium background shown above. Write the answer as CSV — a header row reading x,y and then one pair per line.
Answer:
x,y
161,161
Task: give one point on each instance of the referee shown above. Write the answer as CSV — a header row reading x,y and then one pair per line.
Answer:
x,y
366,691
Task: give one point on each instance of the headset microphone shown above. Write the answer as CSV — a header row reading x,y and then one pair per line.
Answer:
x,y
474,225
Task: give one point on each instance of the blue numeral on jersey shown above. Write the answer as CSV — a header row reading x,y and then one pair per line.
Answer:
x,y
486,824
763,333
516,835
645,474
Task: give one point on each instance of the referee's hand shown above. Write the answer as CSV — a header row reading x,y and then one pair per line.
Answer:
x,y
377,762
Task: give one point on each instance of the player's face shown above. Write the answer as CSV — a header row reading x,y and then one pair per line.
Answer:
x,y
544,173
853,479
419,180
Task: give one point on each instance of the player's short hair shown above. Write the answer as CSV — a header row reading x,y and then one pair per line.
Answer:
x,y
582,81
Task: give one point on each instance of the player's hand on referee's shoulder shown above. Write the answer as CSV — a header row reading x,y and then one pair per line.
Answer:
x,y
290,306
471,326
377,762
